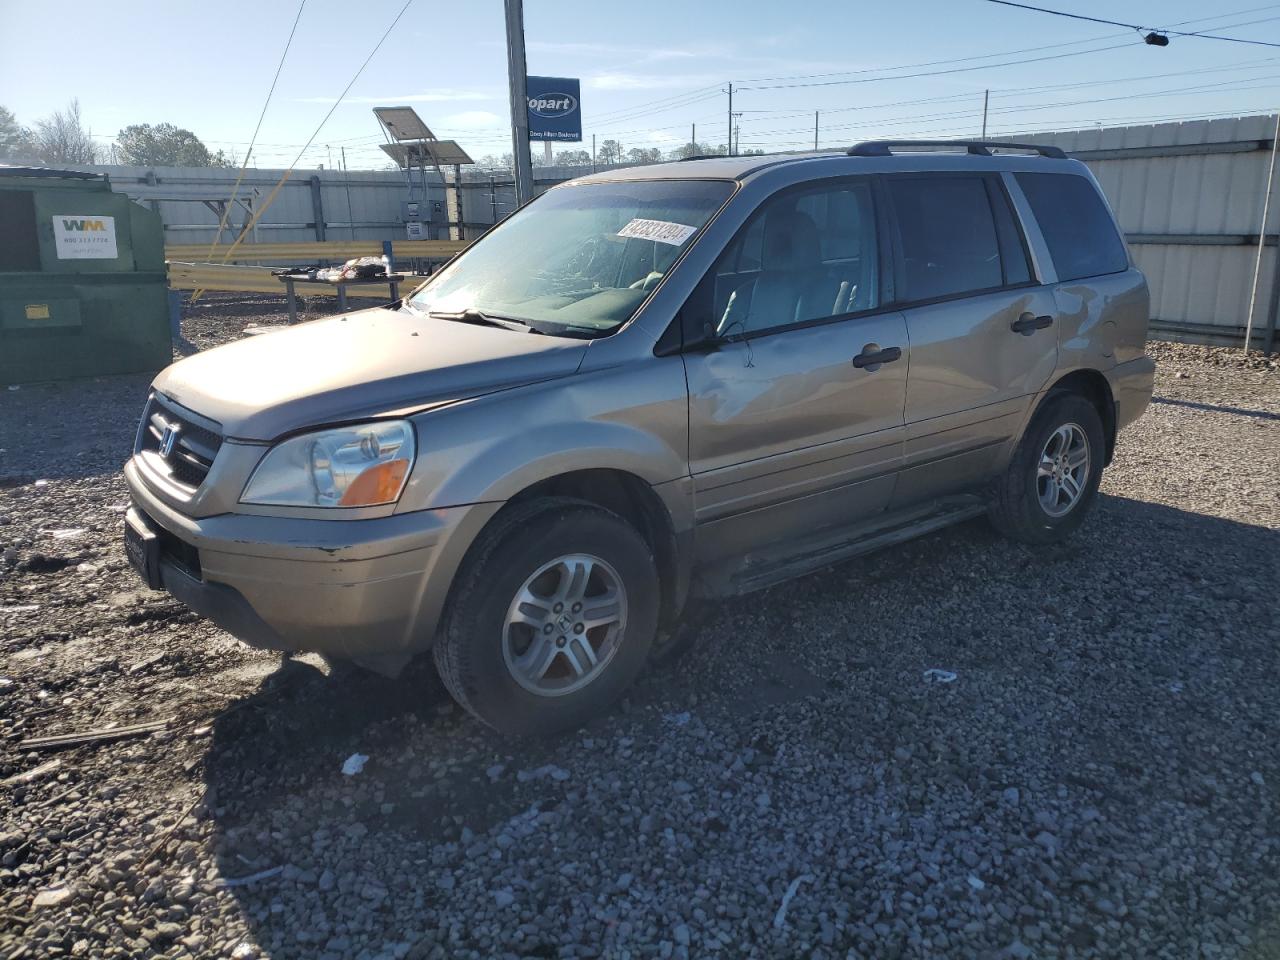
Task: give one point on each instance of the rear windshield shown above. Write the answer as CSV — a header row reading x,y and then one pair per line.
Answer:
x,y
581,258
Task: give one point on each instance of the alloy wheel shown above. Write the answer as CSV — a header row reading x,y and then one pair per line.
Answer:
x,y
1063,472
564,625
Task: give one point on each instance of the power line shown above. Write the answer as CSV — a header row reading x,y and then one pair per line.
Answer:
x,y
938,73
262,208
235,190
1133,26
1023,108
783,113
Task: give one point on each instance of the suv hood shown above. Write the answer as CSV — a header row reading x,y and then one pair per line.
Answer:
x,y
358,365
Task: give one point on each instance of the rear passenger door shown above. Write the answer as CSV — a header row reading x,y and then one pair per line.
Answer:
x,y
983,332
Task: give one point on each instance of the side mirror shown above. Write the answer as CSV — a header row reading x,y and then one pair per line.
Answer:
x,y
706,340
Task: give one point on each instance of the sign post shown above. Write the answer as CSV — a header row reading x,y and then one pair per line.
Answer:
x,y
519,100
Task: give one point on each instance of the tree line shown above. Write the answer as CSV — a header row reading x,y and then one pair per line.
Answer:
x,y
63,137
612,151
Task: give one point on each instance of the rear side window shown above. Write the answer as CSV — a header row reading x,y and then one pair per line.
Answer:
x,y
1077,228
948,234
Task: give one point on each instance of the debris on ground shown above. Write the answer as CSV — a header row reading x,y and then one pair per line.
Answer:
x,y
354,764
936,675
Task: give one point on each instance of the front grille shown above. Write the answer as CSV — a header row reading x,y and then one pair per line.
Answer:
x,y
191,448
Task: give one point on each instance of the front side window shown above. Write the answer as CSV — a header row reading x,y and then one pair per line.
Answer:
x,y
580,259
948,234
804,255
1078,230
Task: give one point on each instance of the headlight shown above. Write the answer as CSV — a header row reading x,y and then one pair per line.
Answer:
x,y
359,466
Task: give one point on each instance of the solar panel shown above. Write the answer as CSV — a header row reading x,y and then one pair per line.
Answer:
x,y
403,123
430,153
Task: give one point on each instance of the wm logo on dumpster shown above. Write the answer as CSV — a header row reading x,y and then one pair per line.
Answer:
x,y
83,224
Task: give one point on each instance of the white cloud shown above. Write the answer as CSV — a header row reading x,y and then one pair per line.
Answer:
x,y
615,50
426,96
471,120
648,81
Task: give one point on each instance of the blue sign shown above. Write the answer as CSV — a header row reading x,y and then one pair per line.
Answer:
x,y
555,112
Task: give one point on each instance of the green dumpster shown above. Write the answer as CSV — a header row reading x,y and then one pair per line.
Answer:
x,y
82,278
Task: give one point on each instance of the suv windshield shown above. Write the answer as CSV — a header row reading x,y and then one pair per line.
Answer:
x,y
580,259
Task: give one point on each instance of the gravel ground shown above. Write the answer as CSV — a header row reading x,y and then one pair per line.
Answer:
x,y
1099,779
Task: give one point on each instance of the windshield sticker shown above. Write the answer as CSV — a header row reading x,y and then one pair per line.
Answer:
x,y
663,231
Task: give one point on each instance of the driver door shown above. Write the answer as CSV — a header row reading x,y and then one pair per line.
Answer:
x,y
796,412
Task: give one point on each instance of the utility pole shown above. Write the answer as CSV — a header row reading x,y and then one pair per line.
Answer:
x,y
737,138
986,96
815,129
593,153
731,119
516,71
693,134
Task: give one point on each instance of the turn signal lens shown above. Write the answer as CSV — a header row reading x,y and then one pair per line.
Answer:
x,y
380,484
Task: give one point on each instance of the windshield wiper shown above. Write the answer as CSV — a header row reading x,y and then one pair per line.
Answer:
x,y
472,315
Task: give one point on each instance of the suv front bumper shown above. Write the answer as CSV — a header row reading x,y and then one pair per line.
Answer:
x,y
366,590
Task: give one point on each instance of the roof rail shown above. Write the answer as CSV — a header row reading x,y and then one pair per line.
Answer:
x,y
977,148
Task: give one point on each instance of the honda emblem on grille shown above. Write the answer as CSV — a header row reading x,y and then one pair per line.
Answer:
x,y
168,439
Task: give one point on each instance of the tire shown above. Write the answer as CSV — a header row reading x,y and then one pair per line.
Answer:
x,y
491,647
1018,508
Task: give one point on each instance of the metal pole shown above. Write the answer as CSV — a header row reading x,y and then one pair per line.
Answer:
x,y
1262,235
1272,306
457,201
593,153
346,179
986,96
693,135
730,119
519,102
815,129
317,207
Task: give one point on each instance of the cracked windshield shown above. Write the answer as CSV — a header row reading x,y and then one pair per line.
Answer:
x,y
580,259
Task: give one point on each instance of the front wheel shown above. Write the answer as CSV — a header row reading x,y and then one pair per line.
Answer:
x,y
1053,476
551,618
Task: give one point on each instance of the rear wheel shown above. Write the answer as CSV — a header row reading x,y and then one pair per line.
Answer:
x,y
1053,477
551,618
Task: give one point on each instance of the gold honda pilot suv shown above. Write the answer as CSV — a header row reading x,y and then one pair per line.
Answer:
x,y
692,379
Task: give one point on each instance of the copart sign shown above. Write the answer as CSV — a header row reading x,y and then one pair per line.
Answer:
x,y
555,112
86,237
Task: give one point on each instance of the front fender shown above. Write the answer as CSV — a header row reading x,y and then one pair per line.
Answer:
x,y
632,418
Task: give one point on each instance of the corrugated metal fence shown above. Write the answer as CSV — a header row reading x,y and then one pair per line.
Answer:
x,y
317,204
1189,197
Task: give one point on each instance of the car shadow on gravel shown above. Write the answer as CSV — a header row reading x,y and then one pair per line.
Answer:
x,y
846,645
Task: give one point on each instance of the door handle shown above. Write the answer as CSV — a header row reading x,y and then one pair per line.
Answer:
x,y
1029,323
872,356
